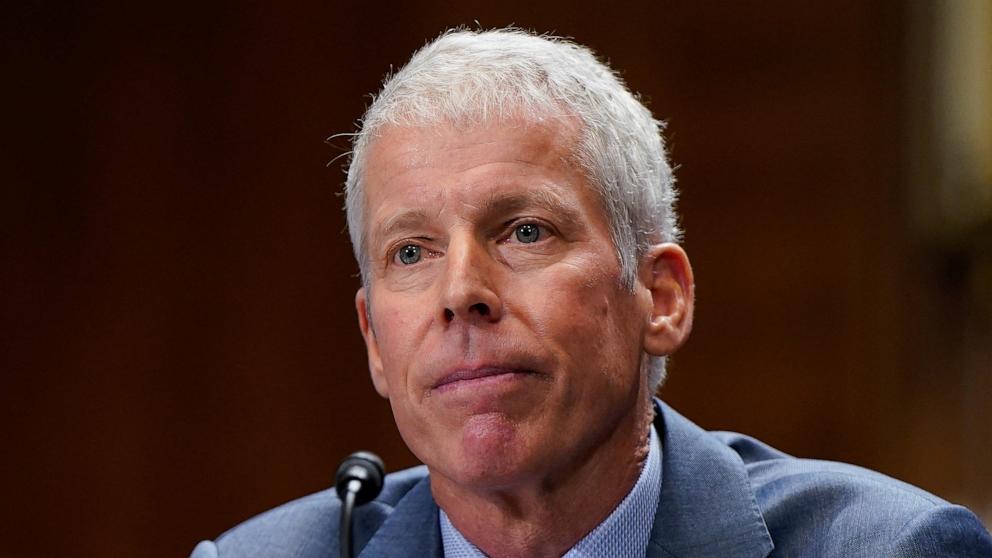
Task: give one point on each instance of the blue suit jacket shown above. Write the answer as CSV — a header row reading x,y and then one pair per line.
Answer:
x,y
722,495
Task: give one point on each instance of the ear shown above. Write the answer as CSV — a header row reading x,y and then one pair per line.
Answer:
x,y
371,344
666,273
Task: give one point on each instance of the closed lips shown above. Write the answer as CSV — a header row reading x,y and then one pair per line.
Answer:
x,y
476,374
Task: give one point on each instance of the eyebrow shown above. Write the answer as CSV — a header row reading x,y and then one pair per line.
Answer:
x,y
545,199
497,204
407,220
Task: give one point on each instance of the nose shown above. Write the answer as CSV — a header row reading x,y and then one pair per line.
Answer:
x,y
469,292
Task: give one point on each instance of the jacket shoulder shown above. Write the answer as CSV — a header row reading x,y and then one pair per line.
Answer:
x,y
824,508
308,526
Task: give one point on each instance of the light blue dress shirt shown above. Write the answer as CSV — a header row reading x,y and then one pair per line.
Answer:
x,y
623,534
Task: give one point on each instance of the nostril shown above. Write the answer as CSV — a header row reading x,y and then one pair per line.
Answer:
x,y
481,308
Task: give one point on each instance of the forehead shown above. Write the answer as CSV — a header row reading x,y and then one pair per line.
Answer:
x,y
420,178
547,143
442,165
421,175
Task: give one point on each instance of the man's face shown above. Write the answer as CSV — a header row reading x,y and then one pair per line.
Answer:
x,y
499,331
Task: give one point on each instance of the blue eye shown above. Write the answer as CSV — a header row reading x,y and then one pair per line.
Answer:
x,y
527,233
410,254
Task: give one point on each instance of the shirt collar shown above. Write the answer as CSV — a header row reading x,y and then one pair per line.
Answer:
x,y
624,532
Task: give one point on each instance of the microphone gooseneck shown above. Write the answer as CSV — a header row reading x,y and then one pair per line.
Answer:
x,y
358,481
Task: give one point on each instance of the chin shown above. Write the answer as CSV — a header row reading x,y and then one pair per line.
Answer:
x,y
490,453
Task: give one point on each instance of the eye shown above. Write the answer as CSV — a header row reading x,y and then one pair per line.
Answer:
x,y
409,254
527,233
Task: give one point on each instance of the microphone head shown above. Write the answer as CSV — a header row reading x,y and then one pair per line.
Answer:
x,y
367,469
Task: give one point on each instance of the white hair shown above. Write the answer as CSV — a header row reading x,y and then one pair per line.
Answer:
x,y
468,77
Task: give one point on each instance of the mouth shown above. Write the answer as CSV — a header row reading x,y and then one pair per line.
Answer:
x,y
478,376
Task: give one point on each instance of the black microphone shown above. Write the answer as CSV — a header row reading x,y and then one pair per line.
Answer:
x,y
359,480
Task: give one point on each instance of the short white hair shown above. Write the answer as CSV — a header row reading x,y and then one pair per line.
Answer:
x,y
468,77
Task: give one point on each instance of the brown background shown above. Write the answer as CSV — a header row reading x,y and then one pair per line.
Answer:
x,y
178,340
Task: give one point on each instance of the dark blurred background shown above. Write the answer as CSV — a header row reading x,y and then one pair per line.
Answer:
x,y
179,349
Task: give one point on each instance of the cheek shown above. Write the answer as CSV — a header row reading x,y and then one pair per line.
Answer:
x,y
399,335
398,331
589,316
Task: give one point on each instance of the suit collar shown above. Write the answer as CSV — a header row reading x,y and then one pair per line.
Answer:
x,y
412,529
707,506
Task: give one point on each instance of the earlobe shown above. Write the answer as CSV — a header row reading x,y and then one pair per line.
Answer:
x,y
371,344
666,273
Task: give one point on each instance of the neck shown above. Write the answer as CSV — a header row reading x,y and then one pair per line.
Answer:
x,y
546,517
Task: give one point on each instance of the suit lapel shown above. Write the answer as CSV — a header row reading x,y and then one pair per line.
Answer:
x,y
411,530
707,507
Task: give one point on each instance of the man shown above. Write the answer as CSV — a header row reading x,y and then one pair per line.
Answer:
x,y
511,209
